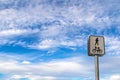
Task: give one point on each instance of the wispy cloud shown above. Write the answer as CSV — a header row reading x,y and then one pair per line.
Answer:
x,y
76,13
112,46
32,77
115,77
54,19
52,70
57,69
16,32
51,43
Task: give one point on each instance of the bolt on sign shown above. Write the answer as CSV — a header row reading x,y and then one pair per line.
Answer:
x,y
96,46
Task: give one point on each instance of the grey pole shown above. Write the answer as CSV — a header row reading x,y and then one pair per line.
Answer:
x,y
96,67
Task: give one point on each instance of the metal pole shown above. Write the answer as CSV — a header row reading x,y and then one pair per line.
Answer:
x,y
96,67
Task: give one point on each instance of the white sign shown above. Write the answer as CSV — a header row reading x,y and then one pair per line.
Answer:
x,y
96,46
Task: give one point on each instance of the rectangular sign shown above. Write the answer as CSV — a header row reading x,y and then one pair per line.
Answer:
x,y
96,46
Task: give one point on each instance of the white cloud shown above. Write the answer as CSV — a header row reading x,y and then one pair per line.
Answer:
x,y
52,31
13,32
115,77
51,70
32,77
26,62
8,36
59,69
46,44
55,21
92,13
112,45
51,43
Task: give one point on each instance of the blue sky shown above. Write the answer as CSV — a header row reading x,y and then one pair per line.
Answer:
x,y
47,39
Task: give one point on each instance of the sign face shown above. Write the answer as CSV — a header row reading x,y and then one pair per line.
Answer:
x,y
96,46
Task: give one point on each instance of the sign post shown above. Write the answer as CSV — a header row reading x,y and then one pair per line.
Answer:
x,y
96,67
96,48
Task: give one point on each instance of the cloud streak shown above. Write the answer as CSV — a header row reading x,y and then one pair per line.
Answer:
x,y
53,19
52,70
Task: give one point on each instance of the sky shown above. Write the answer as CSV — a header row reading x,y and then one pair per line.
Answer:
x,y
47,39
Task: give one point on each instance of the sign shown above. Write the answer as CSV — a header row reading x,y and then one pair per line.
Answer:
x,y
96,46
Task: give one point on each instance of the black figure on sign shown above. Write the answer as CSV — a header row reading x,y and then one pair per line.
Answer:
x,y
96,41
97,48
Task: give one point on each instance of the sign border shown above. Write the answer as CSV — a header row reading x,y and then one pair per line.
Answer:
x,y
90,54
